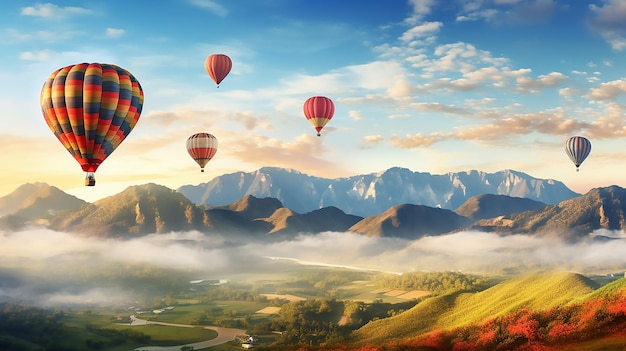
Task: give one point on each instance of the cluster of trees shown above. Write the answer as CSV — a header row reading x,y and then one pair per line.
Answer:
x,y
20,322
323,280
548,330
315,322
112,337
23,326
435,282
309,322
232,292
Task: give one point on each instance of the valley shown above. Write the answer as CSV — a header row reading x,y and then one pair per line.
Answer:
x,y
295,307
147,269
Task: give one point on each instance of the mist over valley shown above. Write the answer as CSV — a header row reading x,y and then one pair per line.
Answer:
x,y
149,255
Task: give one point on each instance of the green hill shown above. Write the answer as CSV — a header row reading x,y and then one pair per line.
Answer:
x,y
605,291
538,291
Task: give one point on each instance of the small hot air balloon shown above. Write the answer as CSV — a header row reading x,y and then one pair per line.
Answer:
x,y
91,108
577,148
202,147
319,110
218,66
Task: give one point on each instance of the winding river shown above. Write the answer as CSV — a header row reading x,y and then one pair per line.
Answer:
x,y
224,335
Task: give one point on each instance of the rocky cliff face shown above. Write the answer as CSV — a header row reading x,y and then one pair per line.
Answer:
x,y
371,194
574,219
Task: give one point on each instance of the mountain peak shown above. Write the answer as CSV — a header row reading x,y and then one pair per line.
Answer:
x,y
37,199
252,207
410,222
370,194
573,219
493,205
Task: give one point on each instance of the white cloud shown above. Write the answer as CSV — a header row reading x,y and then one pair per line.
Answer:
x,y
373,138
53,267
507,12
114,32
210,5
607,91
49,10
570,92
42,55
355,115
608,21
421,8
527,84
421,31
398,116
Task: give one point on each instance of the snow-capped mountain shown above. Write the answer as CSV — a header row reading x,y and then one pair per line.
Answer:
x,y
370,194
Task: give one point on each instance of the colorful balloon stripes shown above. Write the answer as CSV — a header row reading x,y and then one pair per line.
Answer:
x,y
91,108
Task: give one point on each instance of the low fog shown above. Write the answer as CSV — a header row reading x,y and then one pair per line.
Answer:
x,y
55,268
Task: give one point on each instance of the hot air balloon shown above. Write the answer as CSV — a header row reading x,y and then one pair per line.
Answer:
x,y
577,148
318,110
218,66
202,147
91,108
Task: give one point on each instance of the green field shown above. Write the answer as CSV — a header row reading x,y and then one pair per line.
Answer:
x,y
336,306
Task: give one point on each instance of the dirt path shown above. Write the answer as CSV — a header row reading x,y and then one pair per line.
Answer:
x,y
224,335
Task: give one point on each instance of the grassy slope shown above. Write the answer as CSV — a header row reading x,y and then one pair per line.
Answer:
x,y
534,291
605,291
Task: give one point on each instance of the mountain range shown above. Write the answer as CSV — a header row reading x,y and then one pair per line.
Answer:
x,y
152,208
371,194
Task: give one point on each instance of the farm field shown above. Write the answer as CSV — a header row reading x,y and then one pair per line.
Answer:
x,y
322,306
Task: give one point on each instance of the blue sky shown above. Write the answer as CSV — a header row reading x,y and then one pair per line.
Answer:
x,y
433,86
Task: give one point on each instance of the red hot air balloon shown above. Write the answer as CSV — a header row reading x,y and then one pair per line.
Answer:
x,y
91,108
218,66
202,147
319,110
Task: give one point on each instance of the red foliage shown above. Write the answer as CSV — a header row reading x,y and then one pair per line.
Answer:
x,y
487,336
367,348
618,306
589,310
526,330
561,331
435,339
525,326
464,346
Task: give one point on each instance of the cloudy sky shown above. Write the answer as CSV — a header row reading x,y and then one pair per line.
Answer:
x,y
433,86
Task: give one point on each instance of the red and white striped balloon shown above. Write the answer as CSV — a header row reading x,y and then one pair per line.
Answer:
x,y
202,147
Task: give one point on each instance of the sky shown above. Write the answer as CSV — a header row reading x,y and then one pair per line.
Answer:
x,y
432,86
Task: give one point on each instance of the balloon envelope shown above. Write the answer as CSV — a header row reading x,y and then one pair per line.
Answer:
x,y
202,147
218,66
91,108
319,110
577,148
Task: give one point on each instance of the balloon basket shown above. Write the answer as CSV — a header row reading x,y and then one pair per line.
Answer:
x,y
90,179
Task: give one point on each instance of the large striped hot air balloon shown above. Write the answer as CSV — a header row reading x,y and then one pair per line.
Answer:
x,y
91,108
202,147
577,148
319,110
218,66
